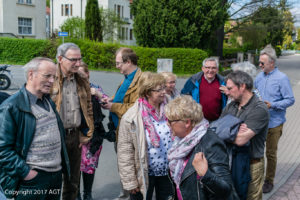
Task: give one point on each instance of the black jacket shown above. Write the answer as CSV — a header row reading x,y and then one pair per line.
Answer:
x,y
216,183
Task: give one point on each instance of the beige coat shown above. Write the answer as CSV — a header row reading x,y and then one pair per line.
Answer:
x,y
84,94
132,151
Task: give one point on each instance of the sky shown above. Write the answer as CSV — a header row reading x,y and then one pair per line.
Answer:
x,y
295,9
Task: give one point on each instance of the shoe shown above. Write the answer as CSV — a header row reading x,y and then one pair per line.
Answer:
x,y
267,187
87,196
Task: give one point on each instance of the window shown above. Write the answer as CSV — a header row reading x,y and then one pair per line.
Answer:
x,y
62,9
130,13
122,11
25,1
25,26
66,9
71,10
130,35
126,34
119,11
123,34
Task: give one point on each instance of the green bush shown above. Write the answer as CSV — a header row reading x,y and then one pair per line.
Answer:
x,y
101,55
231,52
20,51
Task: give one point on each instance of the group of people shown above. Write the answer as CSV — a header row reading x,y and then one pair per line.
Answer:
x,y
169,145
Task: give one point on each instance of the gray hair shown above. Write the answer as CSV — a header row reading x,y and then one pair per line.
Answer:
x,y
270,52
247,67
63,48
239,77
211,59
34,64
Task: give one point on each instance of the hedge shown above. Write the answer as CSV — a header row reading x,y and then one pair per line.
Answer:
x,y
101,55
20,51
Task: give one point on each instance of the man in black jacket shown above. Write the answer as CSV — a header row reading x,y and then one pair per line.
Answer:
x,y
33,153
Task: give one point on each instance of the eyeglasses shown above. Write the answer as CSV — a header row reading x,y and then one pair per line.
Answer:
x,y
48,76
159,90
210,68
119,63
73,59
261,63
171,82
171,121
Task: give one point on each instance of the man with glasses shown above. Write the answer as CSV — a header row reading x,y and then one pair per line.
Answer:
x,y
72,96
33,152
204,87
248,107
276,91
127,93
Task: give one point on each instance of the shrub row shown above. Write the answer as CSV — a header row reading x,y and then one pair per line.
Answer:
x,y
101,55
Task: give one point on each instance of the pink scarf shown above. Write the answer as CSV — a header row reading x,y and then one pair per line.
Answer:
x,y
148,110
182,147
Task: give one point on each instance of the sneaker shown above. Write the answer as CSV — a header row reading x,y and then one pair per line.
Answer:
x,y
267,187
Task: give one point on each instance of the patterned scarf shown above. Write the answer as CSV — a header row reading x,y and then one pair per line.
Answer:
x,y
182,147
148,110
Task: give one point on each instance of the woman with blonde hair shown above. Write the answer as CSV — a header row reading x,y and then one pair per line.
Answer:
x,y
197,159
143,142
171,91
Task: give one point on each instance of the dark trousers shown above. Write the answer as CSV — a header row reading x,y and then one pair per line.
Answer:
x,y
163,187
70,188
44,186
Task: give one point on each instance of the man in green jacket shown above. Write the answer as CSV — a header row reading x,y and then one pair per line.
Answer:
x,y
33,153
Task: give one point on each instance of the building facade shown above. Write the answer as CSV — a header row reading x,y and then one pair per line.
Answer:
x,y
23,18
60,10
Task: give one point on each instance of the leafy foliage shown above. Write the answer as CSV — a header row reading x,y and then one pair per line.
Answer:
x,y
75,26
177,23
20,51
101,55
93,21
110,23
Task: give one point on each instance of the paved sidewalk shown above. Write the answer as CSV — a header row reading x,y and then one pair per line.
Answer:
x,y
287,180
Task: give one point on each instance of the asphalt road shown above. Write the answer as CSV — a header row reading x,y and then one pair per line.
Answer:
x,y
107,185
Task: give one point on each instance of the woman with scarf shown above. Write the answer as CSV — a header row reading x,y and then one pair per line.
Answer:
x,y
143,142
197,159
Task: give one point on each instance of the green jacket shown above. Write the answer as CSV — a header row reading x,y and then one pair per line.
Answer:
x,y
17,129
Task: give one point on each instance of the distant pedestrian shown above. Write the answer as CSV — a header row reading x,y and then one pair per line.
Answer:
x,y
33,152
171,91
204,87
276,91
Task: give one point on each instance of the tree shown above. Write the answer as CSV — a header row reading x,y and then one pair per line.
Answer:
x,y
110,24
75,26
93,21
177,23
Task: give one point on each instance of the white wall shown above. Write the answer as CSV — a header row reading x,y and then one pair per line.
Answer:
x,y
11,10
58,19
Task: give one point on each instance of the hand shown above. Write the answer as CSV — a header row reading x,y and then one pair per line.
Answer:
x,y
134,191
107,105
200,164
32,173
268,104
96,92
243,128
223,89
